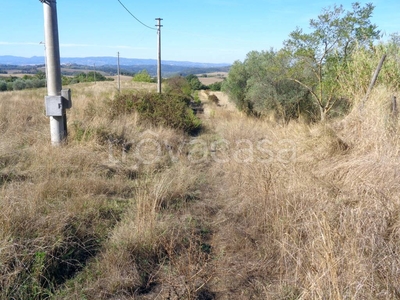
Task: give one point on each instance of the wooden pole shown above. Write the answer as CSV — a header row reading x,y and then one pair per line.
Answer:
x,y
373,81
159,78
119,76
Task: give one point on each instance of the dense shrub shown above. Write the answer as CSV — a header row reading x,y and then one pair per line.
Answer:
x,y
171,110
177,85
195,83
3,86
143,76
85,77
13,83
19,84
216,86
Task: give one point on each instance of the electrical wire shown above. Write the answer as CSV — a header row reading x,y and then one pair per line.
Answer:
x,y
135,17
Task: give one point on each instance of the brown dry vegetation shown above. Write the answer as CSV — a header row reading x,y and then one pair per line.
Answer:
x,y
212,77
247,209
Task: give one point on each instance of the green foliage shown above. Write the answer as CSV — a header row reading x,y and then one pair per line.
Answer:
x,y
307,76
355,75
216,86
39,80
40,75
259,86
3,86
170,110
236,85
84,77
195,83
184,85
9,78
178,85
335,34
143,76
13,83
19,84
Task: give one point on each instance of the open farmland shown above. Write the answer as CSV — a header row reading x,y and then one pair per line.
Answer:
x,y
210,78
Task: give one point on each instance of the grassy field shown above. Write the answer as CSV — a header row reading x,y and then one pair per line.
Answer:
x,y
246,209
210,78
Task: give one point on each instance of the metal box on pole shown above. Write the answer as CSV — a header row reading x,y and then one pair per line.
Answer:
x,y
56,105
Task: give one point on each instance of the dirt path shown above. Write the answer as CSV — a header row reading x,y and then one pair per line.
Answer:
x,y
223,105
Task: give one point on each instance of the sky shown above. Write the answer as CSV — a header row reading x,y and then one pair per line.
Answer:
x,y
209,31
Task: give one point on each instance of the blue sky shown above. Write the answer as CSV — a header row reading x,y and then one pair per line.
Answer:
x,y
215,31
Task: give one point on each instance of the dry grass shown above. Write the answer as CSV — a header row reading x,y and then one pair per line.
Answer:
x,y
246,210
321,224
212,77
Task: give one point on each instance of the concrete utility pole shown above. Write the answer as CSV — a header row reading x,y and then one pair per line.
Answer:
x,y
57,100
159,56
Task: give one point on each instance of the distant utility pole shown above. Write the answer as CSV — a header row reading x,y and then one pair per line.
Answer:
x,y
159,56
57,101
119,76
45,63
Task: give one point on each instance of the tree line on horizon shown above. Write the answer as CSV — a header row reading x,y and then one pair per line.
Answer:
x,y
38,80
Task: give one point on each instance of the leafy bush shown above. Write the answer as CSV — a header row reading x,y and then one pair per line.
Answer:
x,y
85,77
178,85
216,86
170,110
304,78
195,83
3,86
236,85
143,76
19,84
25,82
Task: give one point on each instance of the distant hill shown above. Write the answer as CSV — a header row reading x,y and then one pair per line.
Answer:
x,y
108,64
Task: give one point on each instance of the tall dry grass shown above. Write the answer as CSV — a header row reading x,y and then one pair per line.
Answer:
x,y
99,216
321,224
248,209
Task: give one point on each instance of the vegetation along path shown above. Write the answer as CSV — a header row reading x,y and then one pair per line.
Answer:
x,y
246,209
294,197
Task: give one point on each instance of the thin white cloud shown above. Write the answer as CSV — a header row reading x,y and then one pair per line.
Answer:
x,y
73,45
77,45
18,43
102,46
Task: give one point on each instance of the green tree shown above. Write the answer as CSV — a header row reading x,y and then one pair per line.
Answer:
x,y
317,55
194,82
236,85
40,75
10,86
95,76
178,85
19,84
260,86
143,76
216,86
3,86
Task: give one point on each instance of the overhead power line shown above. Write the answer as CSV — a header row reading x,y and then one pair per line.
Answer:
x,y
135,17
